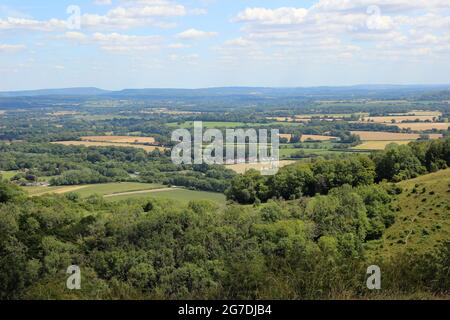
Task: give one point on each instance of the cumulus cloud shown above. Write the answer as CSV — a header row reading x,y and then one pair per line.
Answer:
x,y
344,28
194,34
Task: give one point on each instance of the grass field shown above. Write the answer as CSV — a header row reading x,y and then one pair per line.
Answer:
x,y
422,126
120,139
109,144
8,174
179,195
423,219
378,145
101,189
390,136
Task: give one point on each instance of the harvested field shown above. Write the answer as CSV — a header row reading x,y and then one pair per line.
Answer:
x,y
109,144
120,139
244,167
422,126
390,136
378,145
399,119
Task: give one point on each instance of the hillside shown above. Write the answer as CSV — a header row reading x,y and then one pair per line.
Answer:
x,y
423,217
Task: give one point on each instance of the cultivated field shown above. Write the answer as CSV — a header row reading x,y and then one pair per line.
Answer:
x,y
390,136
120,139
244,167
378,145
422,126
313,137
399,119
174,194
308,137
109,144
103,189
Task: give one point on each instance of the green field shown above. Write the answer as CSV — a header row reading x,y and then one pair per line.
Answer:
x,y
100,189
423,219
8,174
180,195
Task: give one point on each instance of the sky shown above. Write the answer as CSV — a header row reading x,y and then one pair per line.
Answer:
x,y
117,44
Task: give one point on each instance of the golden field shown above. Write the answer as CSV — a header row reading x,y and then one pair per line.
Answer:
x,y
390,136
120,139
422,126
378,145
244,167
109,144
398,119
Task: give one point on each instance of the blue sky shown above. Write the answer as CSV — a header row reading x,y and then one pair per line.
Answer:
x,y
204,43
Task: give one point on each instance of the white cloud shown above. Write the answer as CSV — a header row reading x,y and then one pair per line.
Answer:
x,y
11,48
194,34
102,2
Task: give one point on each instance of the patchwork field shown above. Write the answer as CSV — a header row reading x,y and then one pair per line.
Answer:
x,y
109,144
423,219
390,136
120,139
422,126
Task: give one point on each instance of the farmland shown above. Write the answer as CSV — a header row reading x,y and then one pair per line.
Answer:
x,y
423,126
100,189
389,136
378,145
177,195
120,139
109,144
243,167
395,119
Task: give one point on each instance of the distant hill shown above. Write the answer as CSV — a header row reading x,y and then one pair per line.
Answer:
x,y
359,91
55,92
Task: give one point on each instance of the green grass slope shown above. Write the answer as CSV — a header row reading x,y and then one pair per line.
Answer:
x,y
423,217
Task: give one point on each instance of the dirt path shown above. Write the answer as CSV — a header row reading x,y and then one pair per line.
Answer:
x,y
140,192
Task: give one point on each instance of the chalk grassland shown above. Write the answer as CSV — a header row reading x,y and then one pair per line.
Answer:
x,y
244,167
109,144
405,118
390,136
120,139
378,145
89,189
423,219
422,126
8,174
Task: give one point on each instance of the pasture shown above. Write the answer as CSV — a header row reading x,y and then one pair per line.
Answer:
x,y
177,195
103,189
